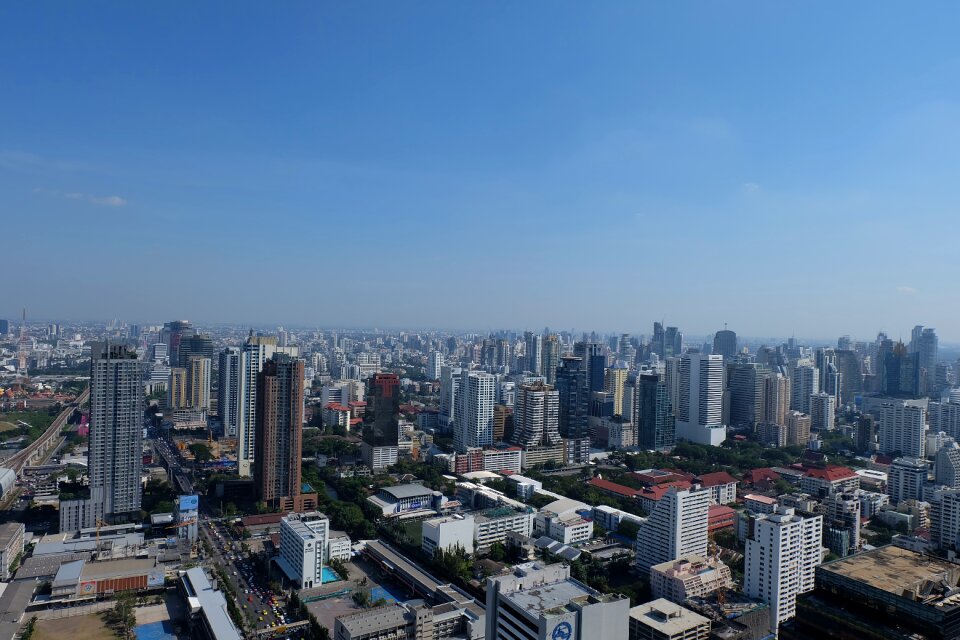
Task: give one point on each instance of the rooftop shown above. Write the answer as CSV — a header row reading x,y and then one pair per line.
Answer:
x,y
613,487
898,571
402,491
666,617
831,473
373,620
717,478
117,568
8,531
761,499
549,598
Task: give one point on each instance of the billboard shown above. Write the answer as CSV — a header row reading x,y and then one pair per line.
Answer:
x,y
88,588
189,503
155,579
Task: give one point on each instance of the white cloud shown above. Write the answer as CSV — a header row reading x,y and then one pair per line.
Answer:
x,y
907,291
107,201
750,187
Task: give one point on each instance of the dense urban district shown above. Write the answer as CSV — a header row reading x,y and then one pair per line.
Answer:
x,y
175,481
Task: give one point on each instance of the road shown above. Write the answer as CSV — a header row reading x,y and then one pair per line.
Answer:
x,y
253,594
22,458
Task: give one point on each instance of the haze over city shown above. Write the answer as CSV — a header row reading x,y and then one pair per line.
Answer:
x,y
484,165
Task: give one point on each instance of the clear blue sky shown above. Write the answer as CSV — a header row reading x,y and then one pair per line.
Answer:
x,y
786,169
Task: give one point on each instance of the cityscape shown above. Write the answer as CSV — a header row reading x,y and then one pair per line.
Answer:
x,y
479,320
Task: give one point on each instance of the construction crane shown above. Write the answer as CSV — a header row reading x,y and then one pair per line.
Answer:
x,y
185,523
100,523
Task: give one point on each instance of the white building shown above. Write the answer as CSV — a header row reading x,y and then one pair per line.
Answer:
x,y
700,395
901,427
449,390
493,525
947,466
804,382
447,533
945,519
905,479
610,518
524,487
823,411
536,417
11,547
303,547
434,364
256,351
689,577
566,528
536,602
473,426
676,527
228,391
781,559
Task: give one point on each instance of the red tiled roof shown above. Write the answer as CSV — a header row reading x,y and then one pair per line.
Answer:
x,y
756,475
762,499
336,406
613,487
720,517
831,473
354,421
357,403
657,492
266,518
716,478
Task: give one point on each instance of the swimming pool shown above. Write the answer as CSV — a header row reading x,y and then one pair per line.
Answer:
x,y
329,575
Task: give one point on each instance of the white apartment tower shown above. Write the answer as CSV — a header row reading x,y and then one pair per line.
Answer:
x,y
228,391
474,411
901,427
676,527
434,365
823,409
804,382
537,415
449,388
303,547
781,559
700,395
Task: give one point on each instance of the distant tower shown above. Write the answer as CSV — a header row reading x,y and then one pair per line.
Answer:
x,y
725,344
23,345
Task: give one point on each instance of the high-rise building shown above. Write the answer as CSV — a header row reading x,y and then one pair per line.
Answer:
x,y
196,345
850,369
901,428
474,411
676,527
116,433
615,379
172,335
381,430
746,383
177,389
672,342
532,345
923,342
782,555
654,415
256,351
947,466
945,417
804,382
725,344
866,434
304,542
842,523
945,519
823,410
228,391
798,428
700,409
550,359
279,432
434,365
449,389
905,479
595,363
198,383
532,602
776,398
574,397
536,415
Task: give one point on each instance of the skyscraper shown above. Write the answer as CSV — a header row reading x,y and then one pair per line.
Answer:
x,y
536,415
776,398
574,404
614,380
177,395
594,361
279,433
532,344
672,342
725,344
804,382
676,527
550,359
116,433
256,351
823,411
901,426
381,429
434,364
746,384
198,383
172,335
781,559
905,479
195,345
228,391
700,404
923,342
654,415
947,466
474,411
449,389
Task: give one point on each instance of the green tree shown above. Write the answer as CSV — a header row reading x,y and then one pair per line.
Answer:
x,y
498,552
201,452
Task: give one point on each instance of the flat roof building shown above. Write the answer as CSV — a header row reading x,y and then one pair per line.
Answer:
x,y
664,620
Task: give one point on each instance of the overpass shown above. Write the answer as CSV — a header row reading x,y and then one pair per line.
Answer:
x,y
35,451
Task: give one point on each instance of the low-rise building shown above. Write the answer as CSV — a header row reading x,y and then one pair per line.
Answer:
x,y
448,532
208,607
665,620
405,498
304,539
760,504
524,487
820,482
11,547
567,528
610,518
722,486
690,576
493,525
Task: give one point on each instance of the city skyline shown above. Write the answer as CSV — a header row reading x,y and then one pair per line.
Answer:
x,y
682,170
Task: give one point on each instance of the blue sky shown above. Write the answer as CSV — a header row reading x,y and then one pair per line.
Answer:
x,y
786,169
